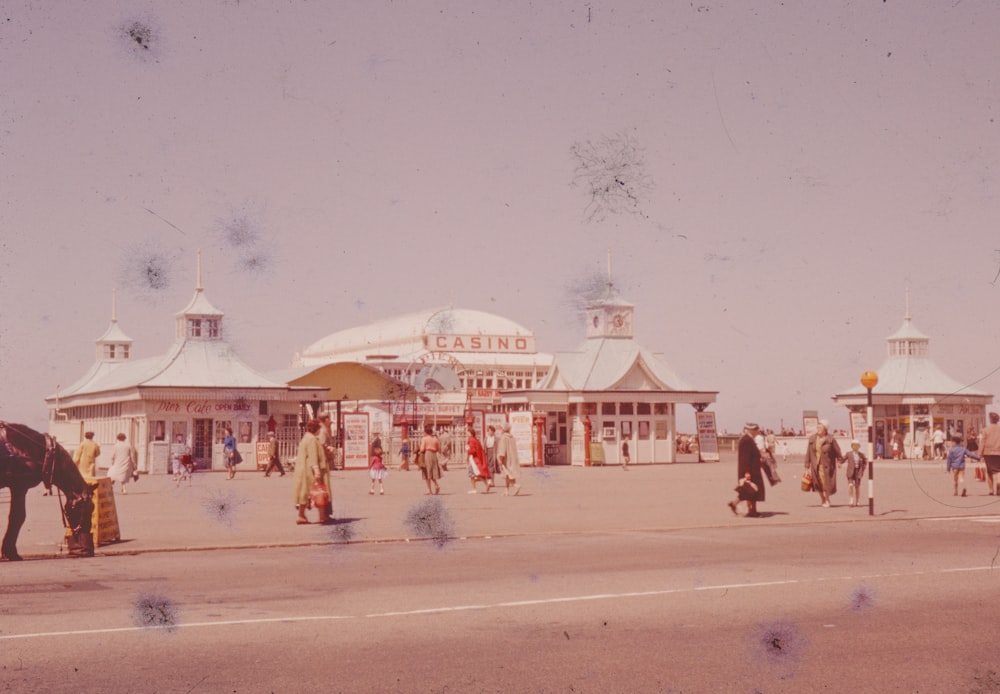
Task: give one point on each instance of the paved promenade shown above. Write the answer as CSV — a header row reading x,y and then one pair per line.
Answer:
x,y
254,511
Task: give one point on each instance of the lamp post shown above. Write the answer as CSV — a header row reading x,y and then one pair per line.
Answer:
x,y
869,379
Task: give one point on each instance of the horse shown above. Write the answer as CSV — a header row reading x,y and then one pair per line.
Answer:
x,y
28,457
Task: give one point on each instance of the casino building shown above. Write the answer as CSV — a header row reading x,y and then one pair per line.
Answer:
x,y
458,359
181,400
471,364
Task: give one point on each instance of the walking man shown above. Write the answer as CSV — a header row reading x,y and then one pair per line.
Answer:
x,y
989,448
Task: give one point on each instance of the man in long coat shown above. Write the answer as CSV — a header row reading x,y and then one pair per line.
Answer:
x,y
749,461
822,456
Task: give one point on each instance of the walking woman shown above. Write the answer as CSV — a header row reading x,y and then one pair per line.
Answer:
x,y
430,468
122,468
476,457
490,446
229,452
822,456
310,467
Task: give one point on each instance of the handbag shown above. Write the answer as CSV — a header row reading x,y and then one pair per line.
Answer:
x,y
237,458
770,467
807,481
980,473
418,460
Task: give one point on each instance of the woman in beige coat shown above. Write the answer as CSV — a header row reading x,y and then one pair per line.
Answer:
x,y
822,457
310,457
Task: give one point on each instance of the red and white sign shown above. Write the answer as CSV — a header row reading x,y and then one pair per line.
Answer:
x,y
357,432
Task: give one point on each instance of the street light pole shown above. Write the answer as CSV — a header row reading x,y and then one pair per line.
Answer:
x,y
869,379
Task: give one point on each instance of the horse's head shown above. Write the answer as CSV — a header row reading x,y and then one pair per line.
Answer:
x,y
61,471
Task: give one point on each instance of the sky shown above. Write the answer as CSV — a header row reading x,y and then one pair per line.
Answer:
x,y
789,169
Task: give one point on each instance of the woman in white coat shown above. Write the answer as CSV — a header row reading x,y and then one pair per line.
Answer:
x,y
122,469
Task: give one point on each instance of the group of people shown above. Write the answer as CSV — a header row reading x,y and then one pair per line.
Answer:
x,y
988,445
122,468
484,463
756,456
823,457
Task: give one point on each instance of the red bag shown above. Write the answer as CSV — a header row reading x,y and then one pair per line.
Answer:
x,y
318,495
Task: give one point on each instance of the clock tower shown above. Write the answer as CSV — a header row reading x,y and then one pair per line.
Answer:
x,y
610,317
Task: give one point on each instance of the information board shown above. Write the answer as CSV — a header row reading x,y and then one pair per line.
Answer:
x,y
356,435
708,441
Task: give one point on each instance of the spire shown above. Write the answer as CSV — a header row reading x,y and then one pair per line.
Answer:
x,y
199,319
114,345
908,341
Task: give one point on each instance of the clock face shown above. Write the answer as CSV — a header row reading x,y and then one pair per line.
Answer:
x,y
619,320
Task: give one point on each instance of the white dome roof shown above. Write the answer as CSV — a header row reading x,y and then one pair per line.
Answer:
x,y
405,334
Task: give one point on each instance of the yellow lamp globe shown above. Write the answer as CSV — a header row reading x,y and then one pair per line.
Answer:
x,y
869,379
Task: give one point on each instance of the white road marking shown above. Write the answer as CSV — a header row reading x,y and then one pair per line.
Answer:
x,y
490,606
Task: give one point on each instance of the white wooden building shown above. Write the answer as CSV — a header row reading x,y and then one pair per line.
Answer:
x,y
183,399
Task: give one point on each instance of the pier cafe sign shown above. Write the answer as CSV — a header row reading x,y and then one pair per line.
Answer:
x,y
202,407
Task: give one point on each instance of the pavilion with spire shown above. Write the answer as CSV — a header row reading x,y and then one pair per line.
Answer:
x,y
183,399
914,395
628,393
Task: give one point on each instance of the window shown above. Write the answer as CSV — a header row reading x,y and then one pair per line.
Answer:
x,y
178,432
124,351
626,430
194,327
643,408
608,408
109,351
661,408
158,430
213,327
220,429
643,430
625,408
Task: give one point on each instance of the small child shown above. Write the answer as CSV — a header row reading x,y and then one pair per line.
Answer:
x,y
377,471
404,455
746,491
182,468
956,462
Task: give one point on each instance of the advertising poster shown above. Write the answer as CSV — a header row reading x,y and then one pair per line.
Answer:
x,y
520,429
708,442
496,420
859,426
356,435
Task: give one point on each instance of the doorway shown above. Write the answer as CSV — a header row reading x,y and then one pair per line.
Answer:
x,y
201,443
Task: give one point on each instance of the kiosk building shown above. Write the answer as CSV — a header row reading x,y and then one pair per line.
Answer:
x,y
181,401
913,396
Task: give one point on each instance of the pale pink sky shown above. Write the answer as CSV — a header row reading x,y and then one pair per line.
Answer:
x,y
809,161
